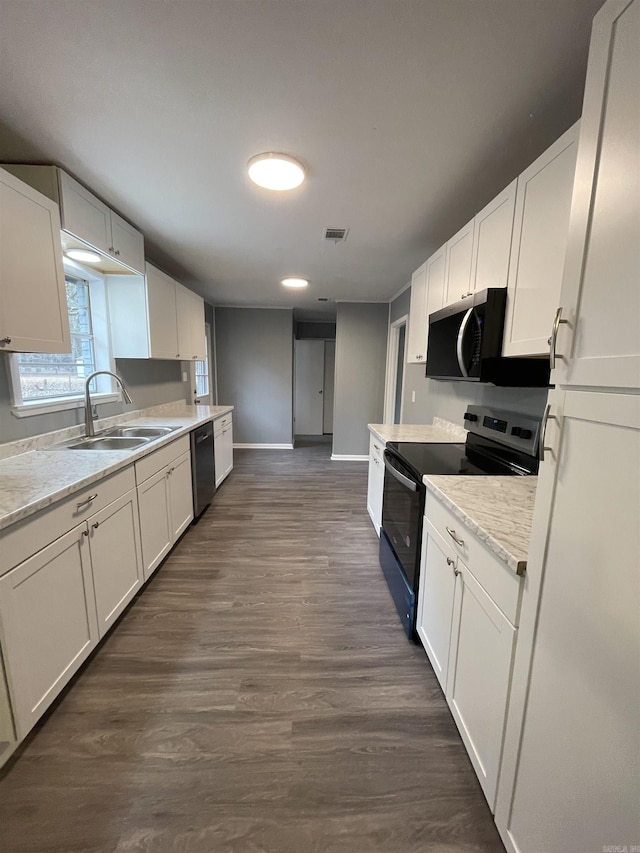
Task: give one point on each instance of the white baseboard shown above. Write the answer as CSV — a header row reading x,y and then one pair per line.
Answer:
x,y
348,457
263,446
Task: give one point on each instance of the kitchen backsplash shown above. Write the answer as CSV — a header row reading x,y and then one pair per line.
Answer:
x,y
449,400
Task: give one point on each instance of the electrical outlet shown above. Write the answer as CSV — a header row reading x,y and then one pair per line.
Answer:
x,y
184,376
413,396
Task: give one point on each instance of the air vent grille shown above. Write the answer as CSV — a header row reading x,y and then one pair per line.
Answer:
x,y
336,235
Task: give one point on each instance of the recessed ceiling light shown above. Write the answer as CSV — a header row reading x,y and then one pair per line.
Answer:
x,y
83,255
276,171
295,282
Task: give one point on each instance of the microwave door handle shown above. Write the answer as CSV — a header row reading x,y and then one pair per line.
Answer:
x,y
409,484
461,333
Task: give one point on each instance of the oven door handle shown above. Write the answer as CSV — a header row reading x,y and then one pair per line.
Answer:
x,y
460,341
406,482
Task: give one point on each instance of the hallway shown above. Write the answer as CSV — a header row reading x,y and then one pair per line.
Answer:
x,y
259,696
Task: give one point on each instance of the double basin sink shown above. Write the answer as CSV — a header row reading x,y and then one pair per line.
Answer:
x,y
117,438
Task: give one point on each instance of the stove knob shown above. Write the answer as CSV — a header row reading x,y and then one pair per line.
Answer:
x,y
517,431
526,434
469,417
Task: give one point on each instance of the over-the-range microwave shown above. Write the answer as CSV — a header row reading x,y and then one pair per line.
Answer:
x,y
465,343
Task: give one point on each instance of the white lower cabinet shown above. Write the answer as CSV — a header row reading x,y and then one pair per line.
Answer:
x,y
376,481
223,447
165,500
116,558
49,625
469,639
482,645
435,601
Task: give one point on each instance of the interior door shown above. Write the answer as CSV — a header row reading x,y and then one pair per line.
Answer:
x,y
309,387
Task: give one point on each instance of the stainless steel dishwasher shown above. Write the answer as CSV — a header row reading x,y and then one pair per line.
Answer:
x,y
202,467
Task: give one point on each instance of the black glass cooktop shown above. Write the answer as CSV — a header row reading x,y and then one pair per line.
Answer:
x,y
477,457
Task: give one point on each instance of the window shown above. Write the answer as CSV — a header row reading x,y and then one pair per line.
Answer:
x,y
51,381
202,372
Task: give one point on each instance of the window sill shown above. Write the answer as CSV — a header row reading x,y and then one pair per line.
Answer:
x,y
26,410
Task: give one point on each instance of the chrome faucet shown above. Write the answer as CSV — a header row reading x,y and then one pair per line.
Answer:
x,y
88,417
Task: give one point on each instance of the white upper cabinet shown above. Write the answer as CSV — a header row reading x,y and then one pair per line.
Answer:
x,y
85,216
33,302
458,264
427,295
155,317
493,230
190,317
417,337
599,344
541,223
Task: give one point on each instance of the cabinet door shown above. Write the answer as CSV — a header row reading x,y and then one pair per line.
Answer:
x,y
33,302
128,243
180,495
155,521
48,619
541,224
184,308
228,449
436,269
417,337
374,491
492,241
196,324
163,326
600,295
116,559
482,643
569,780
84,215
458,264
435,600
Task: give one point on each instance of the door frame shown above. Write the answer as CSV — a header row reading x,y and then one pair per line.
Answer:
x,y
393,340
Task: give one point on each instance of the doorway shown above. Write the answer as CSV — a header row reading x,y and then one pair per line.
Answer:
x,y
396,360
313,387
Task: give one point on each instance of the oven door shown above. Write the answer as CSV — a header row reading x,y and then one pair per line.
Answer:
x,y
402,512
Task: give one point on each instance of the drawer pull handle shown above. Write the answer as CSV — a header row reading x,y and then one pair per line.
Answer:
x,y
376,447
452,534
87,501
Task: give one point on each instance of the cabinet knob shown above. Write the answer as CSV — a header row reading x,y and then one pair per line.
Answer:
x,y
95,525
112,250
5,340
194,357
118,252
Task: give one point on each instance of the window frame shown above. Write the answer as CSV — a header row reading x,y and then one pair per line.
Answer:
x,y
102,354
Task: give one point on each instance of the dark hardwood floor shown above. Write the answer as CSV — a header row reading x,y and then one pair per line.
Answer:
x,y
259,696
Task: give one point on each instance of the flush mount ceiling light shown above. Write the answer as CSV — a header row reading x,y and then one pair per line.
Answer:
x,y
276,171
83,255
295,282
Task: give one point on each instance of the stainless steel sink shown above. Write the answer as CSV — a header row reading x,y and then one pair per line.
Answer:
x,y
102,442
138,432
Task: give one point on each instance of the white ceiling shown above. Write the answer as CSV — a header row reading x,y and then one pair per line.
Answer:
x,y
410,115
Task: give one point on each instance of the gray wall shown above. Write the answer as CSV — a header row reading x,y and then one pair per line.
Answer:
x,y
254,357
400,306
449,400
150,383
361,353
306,330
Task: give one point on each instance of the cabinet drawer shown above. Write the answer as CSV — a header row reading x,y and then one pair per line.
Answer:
x,y
154,462
221,424
25,538
501,582
376,448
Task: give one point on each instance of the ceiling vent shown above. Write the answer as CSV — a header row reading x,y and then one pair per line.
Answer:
x,y
336,235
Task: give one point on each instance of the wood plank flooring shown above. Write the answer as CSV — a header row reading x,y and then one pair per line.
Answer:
x,y
259,696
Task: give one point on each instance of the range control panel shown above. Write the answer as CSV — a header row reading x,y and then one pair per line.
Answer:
x,y
509,428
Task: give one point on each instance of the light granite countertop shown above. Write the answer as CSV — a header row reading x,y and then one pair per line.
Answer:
x,y
36,476
499,510
440,431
